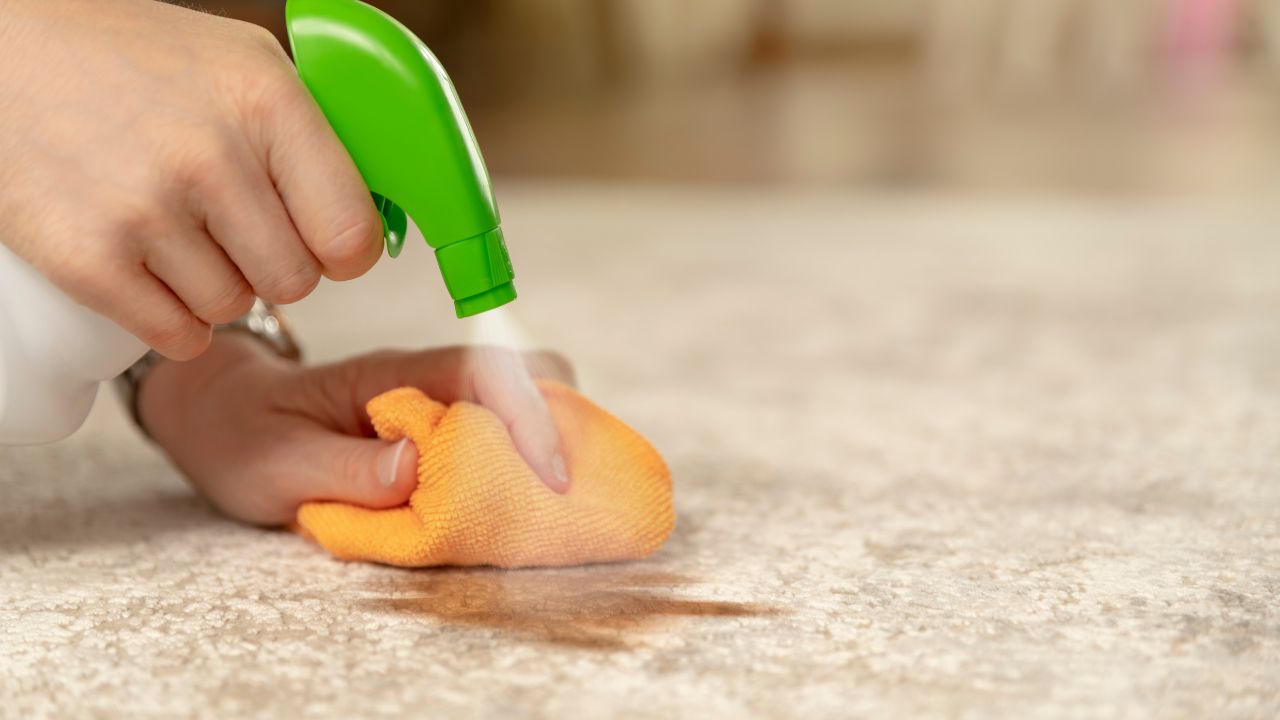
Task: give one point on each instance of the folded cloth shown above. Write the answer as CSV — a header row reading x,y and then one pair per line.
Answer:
x,y
479,503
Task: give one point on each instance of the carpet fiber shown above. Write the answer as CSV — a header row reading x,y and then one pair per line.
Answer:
x,y
932,457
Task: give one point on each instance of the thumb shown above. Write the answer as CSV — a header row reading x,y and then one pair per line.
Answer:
x,y
367,472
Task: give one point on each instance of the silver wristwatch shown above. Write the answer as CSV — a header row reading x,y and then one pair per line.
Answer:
x,y
264,322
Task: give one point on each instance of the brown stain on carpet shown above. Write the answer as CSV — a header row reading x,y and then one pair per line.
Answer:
x,y
601,608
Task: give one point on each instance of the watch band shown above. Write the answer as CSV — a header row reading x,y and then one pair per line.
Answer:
x,y
270,325
264,321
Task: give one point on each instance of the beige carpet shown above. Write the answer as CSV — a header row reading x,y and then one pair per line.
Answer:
x,y
933,458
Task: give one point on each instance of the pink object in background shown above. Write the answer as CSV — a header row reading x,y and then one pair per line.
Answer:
x,y
1198,39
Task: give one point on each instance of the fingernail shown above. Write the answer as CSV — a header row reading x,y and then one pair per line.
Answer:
x,y
390,463
561,472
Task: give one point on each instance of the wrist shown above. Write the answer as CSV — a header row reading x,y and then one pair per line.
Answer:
x,y
265,325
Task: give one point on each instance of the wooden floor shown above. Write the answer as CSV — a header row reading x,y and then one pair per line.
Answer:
x,y
869,119
885,126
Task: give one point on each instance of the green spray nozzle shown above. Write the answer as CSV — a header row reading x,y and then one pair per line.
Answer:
x,y
396,111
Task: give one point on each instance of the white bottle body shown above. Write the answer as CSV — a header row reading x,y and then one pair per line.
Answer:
x,y
54,353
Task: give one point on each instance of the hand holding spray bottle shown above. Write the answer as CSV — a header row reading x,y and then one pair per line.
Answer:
x,y
396,111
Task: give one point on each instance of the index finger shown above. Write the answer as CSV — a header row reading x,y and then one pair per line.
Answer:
x,y
319,183
497,378
500,381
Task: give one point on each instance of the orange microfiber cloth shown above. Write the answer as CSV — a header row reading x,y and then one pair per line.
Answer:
x,y
479,503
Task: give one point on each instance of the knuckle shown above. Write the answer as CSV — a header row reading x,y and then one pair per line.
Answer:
x,y
263,38
82,272
180,336
126,226
290,287
94,274
204,159
269,88
260,43
356,469
231,303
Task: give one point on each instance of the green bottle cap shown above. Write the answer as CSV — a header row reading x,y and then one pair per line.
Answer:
x,y
485,301
478,273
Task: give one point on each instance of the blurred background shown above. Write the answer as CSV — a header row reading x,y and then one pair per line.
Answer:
x,y
955,321
1107,96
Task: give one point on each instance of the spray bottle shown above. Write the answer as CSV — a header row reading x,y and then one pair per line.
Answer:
x,y
397,113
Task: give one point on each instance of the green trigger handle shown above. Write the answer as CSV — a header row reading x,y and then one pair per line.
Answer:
x,y
395,109
395,224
